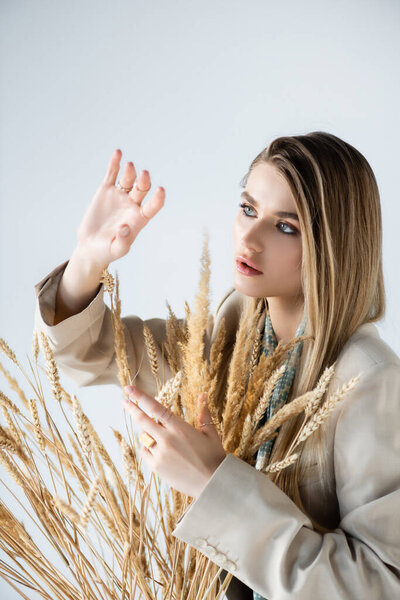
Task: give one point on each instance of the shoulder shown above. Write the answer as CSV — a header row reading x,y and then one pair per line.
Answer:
x,y
367,348
229,308
231,300
366,354
377,392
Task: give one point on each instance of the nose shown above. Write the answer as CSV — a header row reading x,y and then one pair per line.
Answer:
x,y
250,239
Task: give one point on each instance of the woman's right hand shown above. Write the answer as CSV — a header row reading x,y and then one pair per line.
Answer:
x,y
112,211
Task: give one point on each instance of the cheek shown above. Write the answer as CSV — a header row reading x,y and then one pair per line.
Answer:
x,y
237,234
293,256
284,258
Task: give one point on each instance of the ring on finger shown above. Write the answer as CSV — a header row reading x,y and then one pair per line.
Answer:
x,y
135,185
147,440
160,419
124,189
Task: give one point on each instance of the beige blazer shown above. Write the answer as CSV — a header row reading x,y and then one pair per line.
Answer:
x,y
242,521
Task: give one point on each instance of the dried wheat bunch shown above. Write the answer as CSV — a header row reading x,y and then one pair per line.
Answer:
x,y
108,525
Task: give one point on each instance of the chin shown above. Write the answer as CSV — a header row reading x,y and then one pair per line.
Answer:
x,y
247,288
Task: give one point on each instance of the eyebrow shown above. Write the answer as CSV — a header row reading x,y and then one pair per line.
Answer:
x,y
280,213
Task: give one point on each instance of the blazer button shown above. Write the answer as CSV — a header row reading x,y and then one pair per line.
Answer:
x,y
220,557
229,564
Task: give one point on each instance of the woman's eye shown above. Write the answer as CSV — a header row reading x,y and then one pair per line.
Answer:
x,y
292,230
243,206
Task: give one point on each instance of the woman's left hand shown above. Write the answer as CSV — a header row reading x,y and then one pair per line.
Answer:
x,y
185,457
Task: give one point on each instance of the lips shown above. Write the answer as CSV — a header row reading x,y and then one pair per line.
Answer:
x,y
248,262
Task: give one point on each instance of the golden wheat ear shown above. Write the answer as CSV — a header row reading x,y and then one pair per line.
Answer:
x,y
194,363
112,287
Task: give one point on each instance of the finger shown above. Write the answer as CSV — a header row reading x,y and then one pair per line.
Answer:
x,y
128,175
156,409
141,187
205,416
113,168
156,430
152,207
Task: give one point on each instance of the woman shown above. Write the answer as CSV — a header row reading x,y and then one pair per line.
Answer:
x,y
310,224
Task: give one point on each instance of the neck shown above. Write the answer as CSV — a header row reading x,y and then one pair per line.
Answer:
x,y
286,314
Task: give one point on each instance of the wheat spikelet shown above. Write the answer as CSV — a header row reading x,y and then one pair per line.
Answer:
x,y
237,376
14,385
151,352
78,453
245,437
214,368
124,374
320,390
35,345
82,429
167,394
287,411
282,464
90,500
177,498
8,442
108,280
8,352
108,521
66,397
110,475
98,445
268,390
68,510
11,426
175,324
255,354
129,457
38,429
126,458
187,310
51,370
193,350
5,401
174,333
322,413
69,463
251,421
114,509
11,468
264,369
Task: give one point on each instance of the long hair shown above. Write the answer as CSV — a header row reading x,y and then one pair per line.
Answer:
x,y
338,203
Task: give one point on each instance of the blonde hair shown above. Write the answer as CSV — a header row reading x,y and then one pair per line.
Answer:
x,y
338,203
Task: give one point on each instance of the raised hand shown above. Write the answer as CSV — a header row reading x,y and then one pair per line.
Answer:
x,y
115,216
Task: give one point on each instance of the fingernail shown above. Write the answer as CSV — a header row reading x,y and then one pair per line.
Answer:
x,y
124,231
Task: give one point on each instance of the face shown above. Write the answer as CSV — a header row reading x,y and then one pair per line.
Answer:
x,y
271,241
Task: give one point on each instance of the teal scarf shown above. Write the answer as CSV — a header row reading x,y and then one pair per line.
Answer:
x,y
281,391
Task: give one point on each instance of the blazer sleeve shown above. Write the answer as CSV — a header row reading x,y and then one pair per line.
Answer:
x,y
83,344
248,526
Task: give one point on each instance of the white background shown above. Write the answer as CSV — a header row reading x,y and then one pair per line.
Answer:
x,y
191,91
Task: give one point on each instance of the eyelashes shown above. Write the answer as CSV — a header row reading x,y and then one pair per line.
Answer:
x,y
293,232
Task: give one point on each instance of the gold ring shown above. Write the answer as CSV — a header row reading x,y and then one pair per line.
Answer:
x,y
147,440
124,189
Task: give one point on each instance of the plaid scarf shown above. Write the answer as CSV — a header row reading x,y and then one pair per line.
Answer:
x,y
280,393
